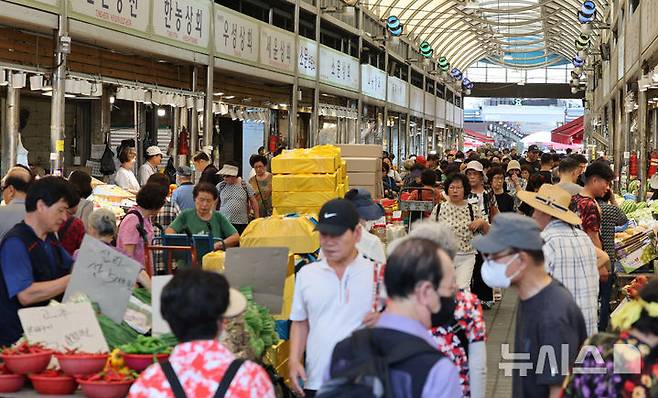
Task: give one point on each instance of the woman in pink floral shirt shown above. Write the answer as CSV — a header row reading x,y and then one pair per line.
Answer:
x,y
194,304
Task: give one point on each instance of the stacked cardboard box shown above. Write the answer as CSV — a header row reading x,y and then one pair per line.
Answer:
x,y
305,179
364,167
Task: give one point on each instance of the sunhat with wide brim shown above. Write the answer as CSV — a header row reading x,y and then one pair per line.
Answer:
x,y
553,201
228,170
237,303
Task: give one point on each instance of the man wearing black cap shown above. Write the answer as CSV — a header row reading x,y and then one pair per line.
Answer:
x,y
369,212
532,159
333,297
548,320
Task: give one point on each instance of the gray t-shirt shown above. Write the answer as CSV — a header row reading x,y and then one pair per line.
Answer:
x,y
11,215
234,201
550,318
570,187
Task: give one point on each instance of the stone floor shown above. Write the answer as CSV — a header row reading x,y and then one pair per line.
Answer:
x,y
500,322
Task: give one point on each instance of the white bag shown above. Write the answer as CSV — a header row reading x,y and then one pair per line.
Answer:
x,y
21,153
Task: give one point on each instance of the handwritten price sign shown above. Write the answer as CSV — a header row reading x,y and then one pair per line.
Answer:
x,y
105,275
64,327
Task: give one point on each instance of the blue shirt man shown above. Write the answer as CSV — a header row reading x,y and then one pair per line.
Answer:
x,y
183,195
35,267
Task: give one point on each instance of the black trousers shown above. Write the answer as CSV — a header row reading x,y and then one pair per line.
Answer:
x,y
478,287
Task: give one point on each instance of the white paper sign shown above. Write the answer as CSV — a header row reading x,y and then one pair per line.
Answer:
x,y
236,36
398,91
373,82
105,275
263,268
307,58
132,14
158,324
277,49
339,69
64,326
186,21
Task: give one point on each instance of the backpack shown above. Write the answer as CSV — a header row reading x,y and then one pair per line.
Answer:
x,y
223,387
107,166
140,227
368,374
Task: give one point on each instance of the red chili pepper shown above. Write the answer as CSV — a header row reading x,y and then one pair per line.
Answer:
x,y
51,373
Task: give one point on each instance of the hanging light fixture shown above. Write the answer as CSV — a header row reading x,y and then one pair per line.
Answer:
x,y
444,65
583,42
394,26
457,74
426,50
587,12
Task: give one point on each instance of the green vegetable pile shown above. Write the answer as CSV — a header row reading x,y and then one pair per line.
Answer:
x,y
259,324
146,345
142,294
116,334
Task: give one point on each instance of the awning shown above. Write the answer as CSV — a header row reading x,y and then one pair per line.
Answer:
x,y
479,137
569,133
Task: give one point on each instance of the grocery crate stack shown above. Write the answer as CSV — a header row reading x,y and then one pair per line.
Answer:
x,y
364,167
305,179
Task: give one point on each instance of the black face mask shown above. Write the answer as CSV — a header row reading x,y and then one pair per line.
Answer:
x,y
446,314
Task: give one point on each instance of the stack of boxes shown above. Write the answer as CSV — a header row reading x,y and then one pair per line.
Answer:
x,y
305,179
364,167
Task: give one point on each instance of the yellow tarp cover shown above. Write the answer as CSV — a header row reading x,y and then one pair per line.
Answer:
x,y
304,182
214,261
319,159
312,211
295,233
303,199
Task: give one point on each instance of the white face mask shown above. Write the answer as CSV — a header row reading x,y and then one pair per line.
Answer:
x,y
494,273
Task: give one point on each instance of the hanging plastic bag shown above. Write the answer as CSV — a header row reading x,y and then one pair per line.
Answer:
x,y
21,153
107,161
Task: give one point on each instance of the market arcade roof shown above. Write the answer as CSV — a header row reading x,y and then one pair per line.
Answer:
x,y
514,33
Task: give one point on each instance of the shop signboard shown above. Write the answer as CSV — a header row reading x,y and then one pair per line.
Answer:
x,y
398,91
373,82
441,108
50,5
182,21
307,54
235,35
430,106
338,69
121,15
277,48
417,99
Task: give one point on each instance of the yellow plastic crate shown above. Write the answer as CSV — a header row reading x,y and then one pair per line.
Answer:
x,y
320,159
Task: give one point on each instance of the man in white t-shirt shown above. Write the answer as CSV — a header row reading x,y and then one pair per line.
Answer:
x,y
333,297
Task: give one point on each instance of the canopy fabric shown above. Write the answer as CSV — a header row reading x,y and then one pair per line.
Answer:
x,y
479,137
569,133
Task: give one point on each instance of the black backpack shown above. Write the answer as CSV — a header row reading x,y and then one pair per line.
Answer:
x,y
107,166
368,374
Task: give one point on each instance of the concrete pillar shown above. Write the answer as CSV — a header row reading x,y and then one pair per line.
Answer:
x,y
12,120
194,123
616,140
57,111
208,116
642,127
174,131
315,116
294,98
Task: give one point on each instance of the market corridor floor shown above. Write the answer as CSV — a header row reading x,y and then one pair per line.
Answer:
x,y
500,321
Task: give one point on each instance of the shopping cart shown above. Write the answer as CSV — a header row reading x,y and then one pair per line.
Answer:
x,y
415,209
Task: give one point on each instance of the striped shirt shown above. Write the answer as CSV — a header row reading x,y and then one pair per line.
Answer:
x,y
570,258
